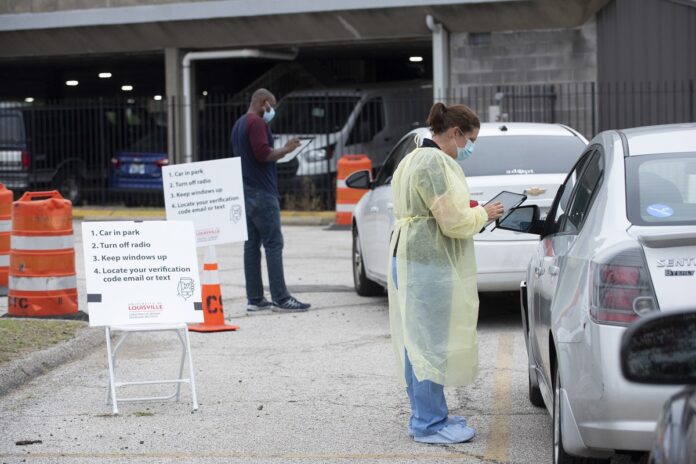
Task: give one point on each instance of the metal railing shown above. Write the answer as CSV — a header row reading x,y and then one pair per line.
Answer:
x,y
111,151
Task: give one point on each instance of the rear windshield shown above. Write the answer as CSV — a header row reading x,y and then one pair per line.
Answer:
x,y
523,154
11,129
313,115
661,189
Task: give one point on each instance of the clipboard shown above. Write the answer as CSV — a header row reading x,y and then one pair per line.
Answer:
x,y
510,200
304,143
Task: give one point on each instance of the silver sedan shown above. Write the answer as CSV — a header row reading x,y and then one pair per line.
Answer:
x,y
619,242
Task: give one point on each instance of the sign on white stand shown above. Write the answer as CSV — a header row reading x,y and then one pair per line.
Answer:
x,y
143,277
211,194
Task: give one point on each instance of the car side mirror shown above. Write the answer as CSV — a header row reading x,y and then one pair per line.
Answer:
x,y
359,180
523,219
660,349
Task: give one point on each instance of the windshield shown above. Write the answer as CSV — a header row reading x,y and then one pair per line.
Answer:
x,y
523,154
661,189
313,115
11,129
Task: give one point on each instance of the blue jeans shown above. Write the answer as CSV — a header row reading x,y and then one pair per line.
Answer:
x,y
263,228
428,405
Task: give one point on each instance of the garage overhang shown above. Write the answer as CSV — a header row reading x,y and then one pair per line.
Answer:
x,y
270,23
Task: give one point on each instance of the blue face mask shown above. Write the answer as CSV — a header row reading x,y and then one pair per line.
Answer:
x,y
268,115
465,152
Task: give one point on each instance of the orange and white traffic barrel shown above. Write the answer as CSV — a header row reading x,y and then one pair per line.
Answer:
x,y
42,279
347,198
5,232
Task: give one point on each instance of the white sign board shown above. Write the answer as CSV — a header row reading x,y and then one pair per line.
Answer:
x,y
141,273
209,193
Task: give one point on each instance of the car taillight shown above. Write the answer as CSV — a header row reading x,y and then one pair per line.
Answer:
x,y
162,162
621,289
115,163
26,160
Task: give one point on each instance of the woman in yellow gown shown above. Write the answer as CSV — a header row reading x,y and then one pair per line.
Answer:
x,y
433,299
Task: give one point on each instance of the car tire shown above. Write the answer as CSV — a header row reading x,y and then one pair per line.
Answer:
x,y
69,184
559,454
363,285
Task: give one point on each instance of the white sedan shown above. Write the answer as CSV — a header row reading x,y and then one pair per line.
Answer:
x,y
525,158
618,243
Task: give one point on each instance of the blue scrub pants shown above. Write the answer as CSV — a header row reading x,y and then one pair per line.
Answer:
x,y
428,404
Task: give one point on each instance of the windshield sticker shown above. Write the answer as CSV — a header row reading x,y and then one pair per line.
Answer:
x,y
519,171
660,211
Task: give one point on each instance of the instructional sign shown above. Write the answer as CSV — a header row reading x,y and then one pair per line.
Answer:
x,y
209,193
141,272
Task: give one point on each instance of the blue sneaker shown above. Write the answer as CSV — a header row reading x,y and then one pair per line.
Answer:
x,y
258,305
450,433
291,305
450,420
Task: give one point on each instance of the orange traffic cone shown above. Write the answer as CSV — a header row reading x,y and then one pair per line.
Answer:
x,y
213,316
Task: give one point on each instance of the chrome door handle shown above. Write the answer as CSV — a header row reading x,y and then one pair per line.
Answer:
x,y
553,270
374,209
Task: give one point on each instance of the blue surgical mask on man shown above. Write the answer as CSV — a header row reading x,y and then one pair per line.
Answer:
x,y
268,114
465,152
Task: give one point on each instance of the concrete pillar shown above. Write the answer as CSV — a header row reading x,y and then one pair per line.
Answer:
x,y
441,59
175,100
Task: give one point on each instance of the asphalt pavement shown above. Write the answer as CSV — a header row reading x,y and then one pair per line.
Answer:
x,y
319,386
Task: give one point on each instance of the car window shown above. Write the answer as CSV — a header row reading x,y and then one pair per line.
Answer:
x,y
11,129
523,154
583,193
661,189
313,114
404,147
561,203
370,121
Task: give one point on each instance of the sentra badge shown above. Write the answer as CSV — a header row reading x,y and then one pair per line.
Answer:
x,y
676,262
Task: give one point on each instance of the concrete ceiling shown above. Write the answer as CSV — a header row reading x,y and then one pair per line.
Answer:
x,y
348,26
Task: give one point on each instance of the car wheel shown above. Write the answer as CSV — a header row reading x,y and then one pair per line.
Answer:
x,y
70,186
559,454
363,285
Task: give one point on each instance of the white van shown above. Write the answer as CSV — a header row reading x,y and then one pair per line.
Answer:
x,y
334,122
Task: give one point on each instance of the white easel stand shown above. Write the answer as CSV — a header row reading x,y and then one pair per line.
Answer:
x,y
181,330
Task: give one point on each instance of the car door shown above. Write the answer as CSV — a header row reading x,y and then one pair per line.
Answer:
x,y
561,229
379,217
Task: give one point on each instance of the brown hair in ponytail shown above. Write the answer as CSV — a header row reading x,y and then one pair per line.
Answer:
x,y
443,117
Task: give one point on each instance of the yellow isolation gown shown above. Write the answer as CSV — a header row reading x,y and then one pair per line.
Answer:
x,y
434,311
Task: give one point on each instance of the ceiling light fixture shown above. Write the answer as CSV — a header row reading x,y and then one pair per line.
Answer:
x,y
104,75
415,59
126,88
71,83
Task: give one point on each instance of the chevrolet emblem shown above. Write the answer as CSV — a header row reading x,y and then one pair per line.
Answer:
x,y
535,191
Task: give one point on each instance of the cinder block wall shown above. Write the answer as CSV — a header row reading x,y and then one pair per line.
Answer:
x,y
524,57
545,75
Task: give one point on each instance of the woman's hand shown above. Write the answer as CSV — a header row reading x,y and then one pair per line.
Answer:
x,y
494,210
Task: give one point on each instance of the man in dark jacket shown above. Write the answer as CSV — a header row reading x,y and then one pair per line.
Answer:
x,y
252,141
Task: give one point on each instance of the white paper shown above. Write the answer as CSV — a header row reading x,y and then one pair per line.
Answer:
x,y
304,142
141,272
